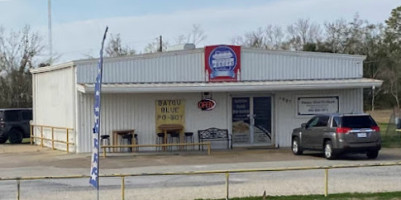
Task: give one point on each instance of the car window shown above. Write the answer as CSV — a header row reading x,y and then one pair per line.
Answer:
x,y
27,114
336,121
11,116
358,121
312,122
323,121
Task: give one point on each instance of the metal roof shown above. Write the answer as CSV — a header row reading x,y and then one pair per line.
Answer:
x,y
233,86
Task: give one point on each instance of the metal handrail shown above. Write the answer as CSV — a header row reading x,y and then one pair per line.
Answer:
x,y
42,138
208,144
226,172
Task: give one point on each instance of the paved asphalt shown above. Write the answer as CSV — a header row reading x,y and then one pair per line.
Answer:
x,y
28,161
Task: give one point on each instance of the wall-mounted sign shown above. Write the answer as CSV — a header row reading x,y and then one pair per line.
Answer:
x,y
206,104
170,112
222,62
318,105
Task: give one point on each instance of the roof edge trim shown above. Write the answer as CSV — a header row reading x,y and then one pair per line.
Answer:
x,y
52,67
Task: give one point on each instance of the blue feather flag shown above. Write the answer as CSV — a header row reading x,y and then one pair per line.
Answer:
x,y
94,173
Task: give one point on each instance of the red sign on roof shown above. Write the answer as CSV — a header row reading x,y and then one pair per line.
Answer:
x,y
222,62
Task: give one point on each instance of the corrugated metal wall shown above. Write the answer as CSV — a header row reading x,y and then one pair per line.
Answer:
x,y
350,100
187,66
270,65
137,111
256,65
53,103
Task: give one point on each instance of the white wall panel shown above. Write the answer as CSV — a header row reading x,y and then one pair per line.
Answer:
x,y
351,101
137,111
256,65
53,102
54,98
160,67
282,65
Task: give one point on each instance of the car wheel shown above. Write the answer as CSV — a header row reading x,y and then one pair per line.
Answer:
x,y
372,154
15,136
296,146
3,140
328,151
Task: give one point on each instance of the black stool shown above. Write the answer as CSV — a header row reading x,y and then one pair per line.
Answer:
x,y
128,137
189,138
159,140
174,137
136,142
105,140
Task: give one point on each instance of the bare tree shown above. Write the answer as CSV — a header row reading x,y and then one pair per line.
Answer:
x,y
270,37
17,52
115,48
196,36
154,46
18,48
303,32
336,35
274,37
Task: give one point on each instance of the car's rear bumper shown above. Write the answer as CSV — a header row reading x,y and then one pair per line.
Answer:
x,y
358,147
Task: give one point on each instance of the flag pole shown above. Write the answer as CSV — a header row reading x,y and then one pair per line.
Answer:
x,y
98,133
94,173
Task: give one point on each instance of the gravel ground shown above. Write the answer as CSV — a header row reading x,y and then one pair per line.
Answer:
x,y
26,160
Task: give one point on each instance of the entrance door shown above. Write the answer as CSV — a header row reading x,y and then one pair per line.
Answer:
x,y
251,121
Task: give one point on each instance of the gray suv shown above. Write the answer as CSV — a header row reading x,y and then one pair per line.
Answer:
x,y
338,133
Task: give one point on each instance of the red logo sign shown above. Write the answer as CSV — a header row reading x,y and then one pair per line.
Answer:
x,y
222,62
206,104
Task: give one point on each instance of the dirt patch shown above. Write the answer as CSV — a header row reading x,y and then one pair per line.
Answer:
x,y
381,116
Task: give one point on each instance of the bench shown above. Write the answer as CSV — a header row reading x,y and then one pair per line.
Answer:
x,y
215,134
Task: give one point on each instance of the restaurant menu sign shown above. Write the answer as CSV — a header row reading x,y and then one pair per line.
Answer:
x,y
222,62
170,112
240,120
318,105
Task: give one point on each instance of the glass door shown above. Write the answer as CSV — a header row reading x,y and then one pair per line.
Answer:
x,y
261,120
241,120
251,120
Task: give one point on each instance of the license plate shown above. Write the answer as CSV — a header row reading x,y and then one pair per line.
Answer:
x,y
361,135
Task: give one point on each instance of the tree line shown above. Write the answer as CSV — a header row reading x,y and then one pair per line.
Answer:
x,y
381,43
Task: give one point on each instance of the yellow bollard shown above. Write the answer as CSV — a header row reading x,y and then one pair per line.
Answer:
x,y
31,133
68,142
18,189
122,188
326,182
41,136
227,185
52,138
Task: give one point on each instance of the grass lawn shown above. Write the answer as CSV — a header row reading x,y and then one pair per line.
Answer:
x,y
343,196
390,138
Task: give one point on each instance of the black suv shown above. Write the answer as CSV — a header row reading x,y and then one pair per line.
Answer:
x,y
14,124
338,133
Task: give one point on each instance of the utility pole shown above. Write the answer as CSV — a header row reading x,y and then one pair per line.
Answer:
x,y
161,44
50,31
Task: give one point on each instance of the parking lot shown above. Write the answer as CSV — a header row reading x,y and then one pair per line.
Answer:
x,y
27,160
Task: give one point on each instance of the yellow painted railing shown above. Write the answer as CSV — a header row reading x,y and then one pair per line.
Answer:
x,y
208,144
53,141
325,181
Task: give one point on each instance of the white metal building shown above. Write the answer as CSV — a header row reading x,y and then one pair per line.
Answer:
x,y
272,93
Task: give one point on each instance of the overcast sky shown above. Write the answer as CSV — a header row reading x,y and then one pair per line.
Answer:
x,y
78,25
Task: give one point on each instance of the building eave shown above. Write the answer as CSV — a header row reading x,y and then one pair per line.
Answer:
x,y
233,86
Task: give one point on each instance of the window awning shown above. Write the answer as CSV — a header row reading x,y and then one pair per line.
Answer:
x,y
233,86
